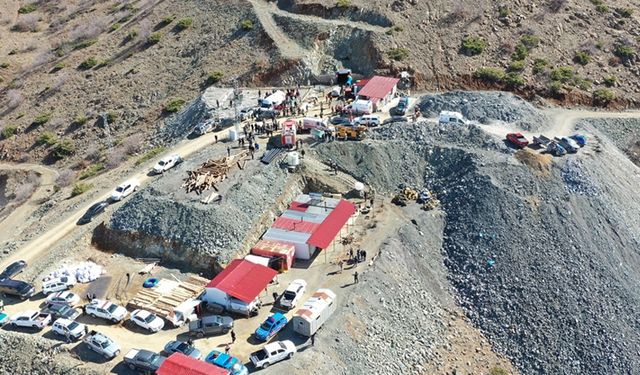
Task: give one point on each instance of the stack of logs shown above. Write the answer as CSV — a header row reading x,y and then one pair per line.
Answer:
x,y
211,172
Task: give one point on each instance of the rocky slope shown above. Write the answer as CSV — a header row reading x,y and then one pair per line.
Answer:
x,y
545,265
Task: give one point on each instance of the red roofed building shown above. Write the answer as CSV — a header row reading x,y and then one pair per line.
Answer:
x,y
239,284
180,364
332,225
379,90
294,225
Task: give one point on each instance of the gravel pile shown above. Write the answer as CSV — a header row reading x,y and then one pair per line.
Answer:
x,y
552,284
485,107
30,354
622,132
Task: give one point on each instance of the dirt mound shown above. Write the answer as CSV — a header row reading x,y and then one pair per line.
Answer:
x,y
538,264
539,163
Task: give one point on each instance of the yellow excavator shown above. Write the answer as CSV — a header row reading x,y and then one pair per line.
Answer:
x,y
351,132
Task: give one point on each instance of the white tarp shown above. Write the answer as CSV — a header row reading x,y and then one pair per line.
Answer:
x,y
84,272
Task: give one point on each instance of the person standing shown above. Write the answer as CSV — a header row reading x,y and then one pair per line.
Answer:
x,y
313,339
227,348
228,151
233,336
275,297
355,277
216,138
341,264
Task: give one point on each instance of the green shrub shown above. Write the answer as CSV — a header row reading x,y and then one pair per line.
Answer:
x,y
88,63
582,57
80,120
25,9
603,96
133,33
491,75
80,188
59,66
112,117
473,45
596,2
599,44
625,12
530,41
85,44
4,65
174,105
539,65
394,29
610,81
562,74
184,23
42,119
343,3
150,154
215,77
624,51
398,54
516,66
64,149
125,18
115,26
556,87
504,11
246,25
154,38
93,170
521,52
498,371
582,83
602,8
513,80
167,20
9,131
47,139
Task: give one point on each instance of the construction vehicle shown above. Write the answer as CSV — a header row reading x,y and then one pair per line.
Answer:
x,y
404,196
428,200
350,132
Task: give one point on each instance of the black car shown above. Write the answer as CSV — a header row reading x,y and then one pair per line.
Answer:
x,y
17,288
143,360
340,121
60,311
13,269
264,114
93,211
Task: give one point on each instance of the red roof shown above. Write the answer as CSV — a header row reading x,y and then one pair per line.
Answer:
x,y
378,87
297,206
331,226
243,280
180,364
294,225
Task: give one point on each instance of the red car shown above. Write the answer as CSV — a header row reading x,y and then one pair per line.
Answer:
x,y
518,140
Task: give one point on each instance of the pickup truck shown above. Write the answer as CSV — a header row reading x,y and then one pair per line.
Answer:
x,y
272,353
32,319
143,360
102,345
210,325
106,310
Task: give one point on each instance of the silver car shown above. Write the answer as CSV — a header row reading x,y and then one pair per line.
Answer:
x,y
102,345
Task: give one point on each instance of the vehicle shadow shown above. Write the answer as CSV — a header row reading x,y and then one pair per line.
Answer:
x,y
85,354
89,320
11,328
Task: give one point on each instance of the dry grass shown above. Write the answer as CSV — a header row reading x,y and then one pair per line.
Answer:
x,y
539,163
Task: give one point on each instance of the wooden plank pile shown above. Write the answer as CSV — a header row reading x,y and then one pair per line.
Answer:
x,y
163,304
211,172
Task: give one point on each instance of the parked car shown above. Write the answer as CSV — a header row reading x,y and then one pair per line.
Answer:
x,y
147,320
167,163
64,298
270,327
60,311
293,293
401,108
580,139
448,117
367,120
227,362
272,353
245,113
182,347
57,284
20,289
338,120
31,319
568,144
518,140
69,328
125,189
210,325
205,126
143,360
93,211
102,345
13,269
98,308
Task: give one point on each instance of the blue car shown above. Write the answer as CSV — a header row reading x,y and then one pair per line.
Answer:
x,y
227,362
580,139
271,326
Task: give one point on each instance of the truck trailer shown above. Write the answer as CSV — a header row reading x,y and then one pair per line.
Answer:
x,y
314,312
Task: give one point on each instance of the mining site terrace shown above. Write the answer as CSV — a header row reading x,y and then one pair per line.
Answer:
x,y
319,187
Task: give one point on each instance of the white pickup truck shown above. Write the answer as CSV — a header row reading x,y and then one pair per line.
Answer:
x,y
273,353
31,318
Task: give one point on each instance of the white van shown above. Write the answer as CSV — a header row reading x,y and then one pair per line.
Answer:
x,y
362,106
368,120
69,328
57,285
309,123
448,117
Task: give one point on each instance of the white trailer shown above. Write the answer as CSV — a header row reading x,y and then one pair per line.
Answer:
x,y
315,311
273,100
